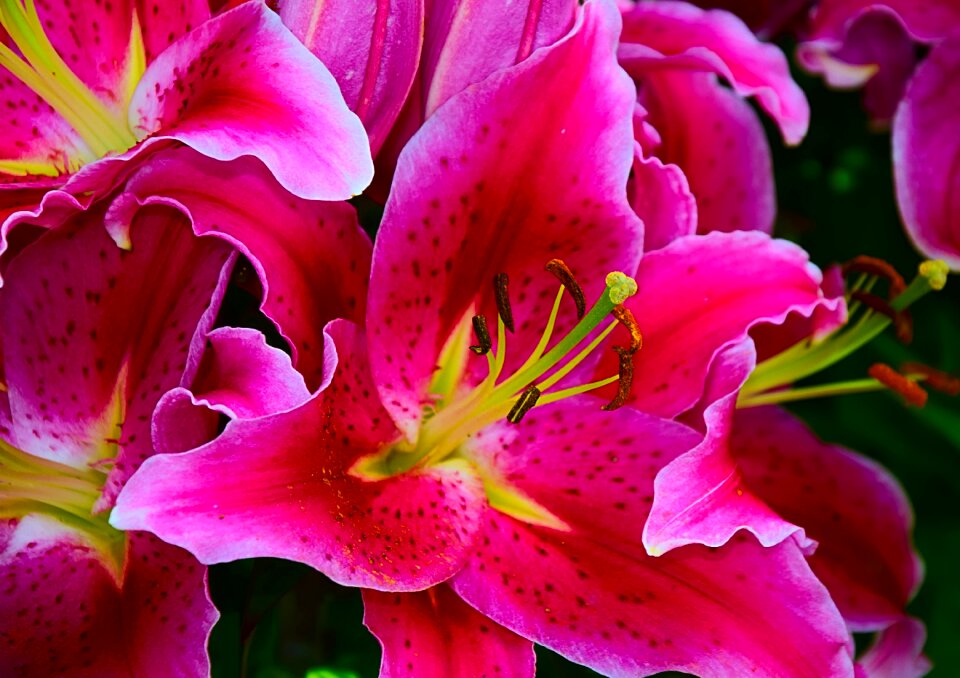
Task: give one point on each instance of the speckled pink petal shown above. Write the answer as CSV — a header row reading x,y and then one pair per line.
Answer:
x,y
499,183
242,84
468,41
26,212
897,652
738,610
661,197
925,20
94,40
81,318
849,504
434,633
926,154
701,497
702,292
678,35
372,48
312,257
718,141
32,132
63,613
289,493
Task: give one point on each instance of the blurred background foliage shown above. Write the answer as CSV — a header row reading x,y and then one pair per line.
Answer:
x,y
283,620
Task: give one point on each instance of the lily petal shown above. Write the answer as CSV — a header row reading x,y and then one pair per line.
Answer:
x,y
123,333
242,84
926,155
495,183
466,42
716,137
661,197
312,258
703,292
64,613
851,505
701,497
594,595
289,493
372,48
897,652
679,35
434,633
924,20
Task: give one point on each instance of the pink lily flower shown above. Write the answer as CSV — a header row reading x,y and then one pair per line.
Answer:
x,y
91,336
397,472
677,53
89,91
762,471
872,44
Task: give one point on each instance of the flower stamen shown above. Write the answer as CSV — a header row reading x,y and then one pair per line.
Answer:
x,y
500,283
912,393
525,403
484,344
562,272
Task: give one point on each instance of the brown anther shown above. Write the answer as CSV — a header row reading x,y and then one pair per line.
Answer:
x,y
889,377
902,322
625,316
525,403
877,267
562,272
502,297
625,383
934,378
483,335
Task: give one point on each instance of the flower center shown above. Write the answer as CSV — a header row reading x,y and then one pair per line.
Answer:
x,y
33,485
459,414
102,129
869,315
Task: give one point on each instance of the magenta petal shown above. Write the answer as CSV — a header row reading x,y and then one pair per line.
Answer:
x,y
495,183
679,35
849,504
244,378
312,257
289,493
466,42
661,197
738,610
594,595
701,497
63,613
897,652
702,292
925,20
372,48
126,326
716,137
876,48
434,633
926,154
242,84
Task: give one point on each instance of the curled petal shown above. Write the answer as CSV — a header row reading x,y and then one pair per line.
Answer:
x,y
679,35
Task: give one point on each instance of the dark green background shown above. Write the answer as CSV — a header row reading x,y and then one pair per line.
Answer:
x,y
836,199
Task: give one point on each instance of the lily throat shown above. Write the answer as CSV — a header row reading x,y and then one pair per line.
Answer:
x,y
459,412
101,124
